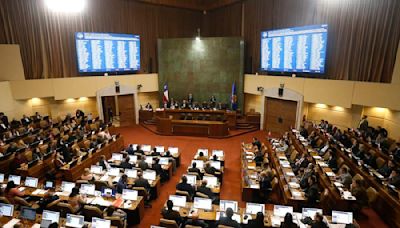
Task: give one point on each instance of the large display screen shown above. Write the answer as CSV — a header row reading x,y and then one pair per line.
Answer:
x,y
107,52
300,49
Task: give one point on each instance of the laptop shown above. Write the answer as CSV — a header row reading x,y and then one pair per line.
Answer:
x,y
342,217
160,149
236,217
113,172
96,169
27,213
310,212
129,194
67,186
132,159
149,175
163,161
218,153
224,204
88,189
202,203
116,157
48,185
101,223
6,210
146,148
49,217
254,208
1,177
16,179
205,152
191,179
149,160
173,150
31,182
108,192
211,181
216,164
179,201
131,173
75,221
281,211
199,163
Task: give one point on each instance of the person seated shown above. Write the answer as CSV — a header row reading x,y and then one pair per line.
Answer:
x,y
332,162
194,169
210,169
139,150
312,192
25,120
112,212
185,105
170,214
129,150
318,221
184,186
302,163
36,154
125,164
154,152
195,221
394,178
208,192
258,222
259,157
323,150
143,164
305,174
148,107
387,169
12,191
358,191
266,178
256,143
370,160
227,220
18,161
159,170
12,148
48,198
122,184
54,225
141,182
87,175
103,163
202,157
345,178
76,200
288,222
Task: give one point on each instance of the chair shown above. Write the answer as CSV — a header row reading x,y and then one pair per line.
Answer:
x,y
223,226
293,155
372,195
4,200
5,164
21,201
64,209
198,177
202,195
340,161
91,211
380,162
99,185
358,177
183,193
190,226
116,221
168,223
53,205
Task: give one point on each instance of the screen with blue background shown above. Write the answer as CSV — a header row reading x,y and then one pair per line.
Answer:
x,y
300,49
107,52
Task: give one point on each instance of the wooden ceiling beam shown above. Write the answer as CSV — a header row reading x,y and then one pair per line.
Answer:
x,y
199,5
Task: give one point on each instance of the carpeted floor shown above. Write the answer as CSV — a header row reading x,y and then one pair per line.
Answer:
x,y
188,146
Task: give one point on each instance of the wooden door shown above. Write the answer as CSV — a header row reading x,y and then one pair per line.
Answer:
x,y
109,108
126,106
279,115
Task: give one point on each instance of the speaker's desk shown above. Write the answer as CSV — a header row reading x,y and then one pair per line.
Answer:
x,y
213,129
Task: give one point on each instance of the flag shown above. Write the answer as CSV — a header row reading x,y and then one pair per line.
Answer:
x,y
166,95
234,96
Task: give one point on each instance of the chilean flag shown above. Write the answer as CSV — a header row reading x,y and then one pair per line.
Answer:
x,y
166,95
234,101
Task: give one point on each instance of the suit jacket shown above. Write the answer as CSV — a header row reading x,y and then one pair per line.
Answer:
x,y
254,224
228,222
141,182
205,190
194,170
361,196
185,187
126,165
120,187
25,121
395,181
312,194
210,170
143,165
172,215
321,224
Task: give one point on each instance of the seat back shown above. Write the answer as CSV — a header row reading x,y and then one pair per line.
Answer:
x,y
183,193
64,209
5,164
21,201
293,155
202,195
358,177
372,195
116,221
380,162
340,161
4,200
190,226
91,211
168,223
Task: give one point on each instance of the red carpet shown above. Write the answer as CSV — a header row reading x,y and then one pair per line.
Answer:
x,y
188,146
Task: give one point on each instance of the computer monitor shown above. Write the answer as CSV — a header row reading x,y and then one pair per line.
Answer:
x,y
113,172
48,184
179,201
88,189
191,179
281,211
132,159
149,160
173,150
31,182
134,146
149,174
160,149
216,164
128,194
6,210
76,221
67,186
236,217
202,203
28,213
96,169
15,178
116,157
254,208
1,177
101,223
218,153
342,217
53,216
131,173
108,192
146,148
163,161
224,204
211,181
205,152
199,163
310,212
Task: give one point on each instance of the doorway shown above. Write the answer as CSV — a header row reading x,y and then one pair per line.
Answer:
x,y
109,108
279,115
126,109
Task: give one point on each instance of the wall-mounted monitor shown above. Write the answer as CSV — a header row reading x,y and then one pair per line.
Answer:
x,y
107,52
294,50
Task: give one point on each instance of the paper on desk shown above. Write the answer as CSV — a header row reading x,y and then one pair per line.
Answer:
x,y
11,223
39,192
330,174
317,157
291,174
256,186
104,178
62,193
338,184
21,189
37,225
100,201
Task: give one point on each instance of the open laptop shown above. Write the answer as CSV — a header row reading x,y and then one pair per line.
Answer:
x,y
216,164
6,210
49,217
224,204
48,184
96,169
160,149
75,221
1,177
254,208
146,148
199,163
342,217
149,175
101,223
15,178
205,152
27,213
310,212
31,182
88,189
149,160
218,153
191,179
163,161
173,150
131,173
281,210
179,201
129,194
113,172
132,159
211,181
67,186
116,157
202,203
236,217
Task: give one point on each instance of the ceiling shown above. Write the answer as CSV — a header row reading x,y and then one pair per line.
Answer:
x,y
192,4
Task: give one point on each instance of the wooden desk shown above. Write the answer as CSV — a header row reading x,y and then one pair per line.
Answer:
x,y
212,129
39,170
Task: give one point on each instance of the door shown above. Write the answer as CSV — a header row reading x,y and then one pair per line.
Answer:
x,y
126,106
279,115
109,108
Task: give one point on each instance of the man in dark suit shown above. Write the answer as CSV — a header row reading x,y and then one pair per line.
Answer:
x,y
228,221
184,186
141,182
194,169
25,120
122,183
209,169
370,160
142,164
125,164
15,124
190,99
4,118
312,192
394,178
256,143
138,150
130,150
170,214
207,191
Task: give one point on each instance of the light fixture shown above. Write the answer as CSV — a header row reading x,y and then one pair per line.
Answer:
x,y
198,34
66,6
260,89
321,106
35,100
338,108
70,100
83,99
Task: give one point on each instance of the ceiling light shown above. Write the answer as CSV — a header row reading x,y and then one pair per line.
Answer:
x,y
66,6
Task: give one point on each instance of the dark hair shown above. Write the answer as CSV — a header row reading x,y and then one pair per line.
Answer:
x,y
319,217
10,185
260,219
194,164
288,219
184,179
74,192
110,210
53,225
201,154
170,204
229,212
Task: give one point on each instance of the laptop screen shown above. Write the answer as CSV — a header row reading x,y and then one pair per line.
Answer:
x,y
6,210
28,213
128,194
218,153
224,204
97,169
199,163
16,179
254,208
67,186
49,184
191,179
1,177
113,172
310,212
31,182
216,164
211,181
75,220
53,216
116,157
202,203
163,161
88,189
160,149
280,210
132,159
205,152
342,217
100,223
131,173
149,175
149,160
179,201
146,148
173,150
